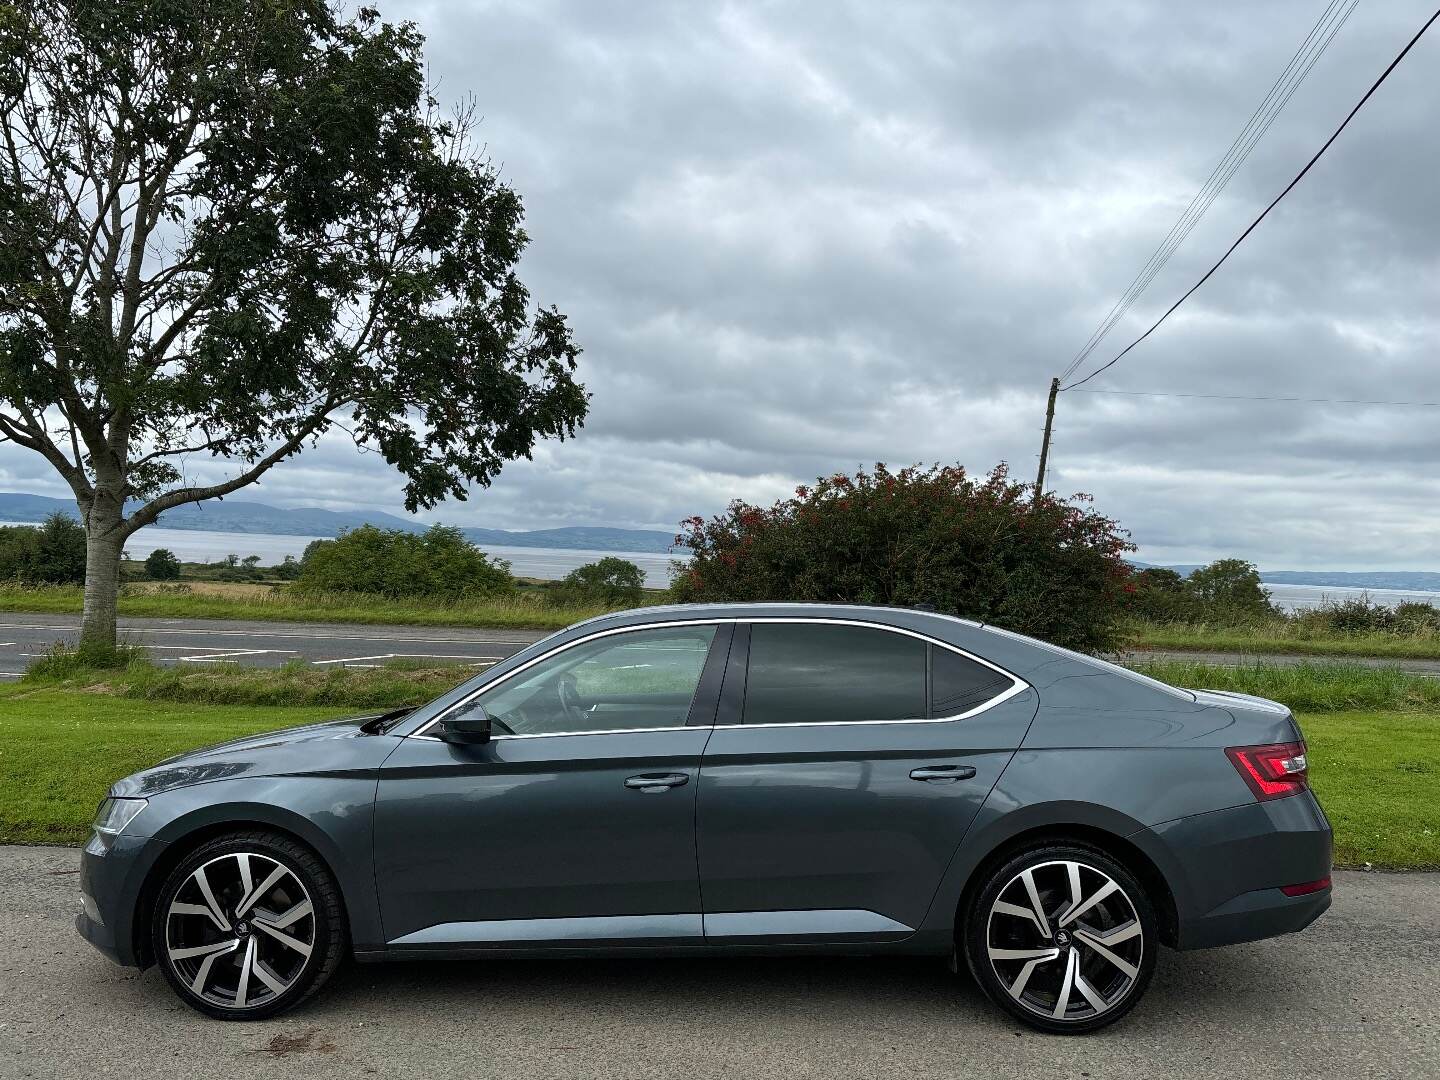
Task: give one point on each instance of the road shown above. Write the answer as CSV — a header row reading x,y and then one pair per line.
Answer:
x,y
269,644
1356,995
266,644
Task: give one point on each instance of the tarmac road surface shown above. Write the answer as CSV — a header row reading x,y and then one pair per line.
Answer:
x,y
25,636
1356,995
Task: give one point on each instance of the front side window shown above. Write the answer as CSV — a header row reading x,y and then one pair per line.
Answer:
x,y
807,673
638,679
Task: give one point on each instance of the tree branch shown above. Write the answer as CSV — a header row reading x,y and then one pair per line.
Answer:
x,y
155,507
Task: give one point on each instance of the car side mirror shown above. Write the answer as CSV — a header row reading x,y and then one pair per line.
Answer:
x,y
472,729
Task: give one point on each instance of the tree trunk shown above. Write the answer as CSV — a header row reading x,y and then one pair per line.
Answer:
x,y
104,540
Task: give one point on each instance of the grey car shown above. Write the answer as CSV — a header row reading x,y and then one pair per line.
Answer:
x,y
722,780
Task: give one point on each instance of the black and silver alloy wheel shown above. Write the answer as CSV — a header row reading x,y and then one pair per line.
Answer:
x,y
1063,939
247,926
241,930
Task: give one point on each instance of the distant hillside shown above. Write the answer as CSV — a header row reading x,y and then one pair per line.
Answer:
x,y
228,515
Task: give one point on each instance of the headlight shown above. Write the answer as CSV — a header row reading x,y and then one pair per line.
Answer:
x,y
113,816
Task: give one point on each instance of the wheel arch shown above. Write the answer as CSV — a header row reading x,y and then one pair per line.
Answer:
x,y
991,841
1117,847
186,835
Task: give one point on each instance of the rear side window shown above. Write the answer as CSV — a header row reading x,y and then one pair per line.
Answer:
x,y
815,673
959,684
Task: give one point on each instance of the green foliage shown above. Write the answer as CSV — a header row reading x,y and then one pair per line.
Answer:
x,y
162,565
321,243
612,582
65,661
1232,587
935,536
287,569
51,554
1228,592
439,563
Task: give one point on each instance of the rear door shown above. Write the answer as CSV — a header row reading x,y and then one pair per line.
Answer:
x,y
847,761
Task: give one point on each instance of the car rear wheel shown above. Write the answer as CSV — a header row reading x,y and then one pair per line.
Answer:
x,y
1062,937
248,926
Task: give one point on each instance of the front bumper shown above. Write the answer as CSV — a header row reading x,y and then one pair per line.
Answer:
x,y
111,882
1226,869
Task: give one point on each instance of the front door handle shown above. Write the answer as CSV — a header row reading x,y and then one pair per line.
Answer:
x,y
944,774
654,782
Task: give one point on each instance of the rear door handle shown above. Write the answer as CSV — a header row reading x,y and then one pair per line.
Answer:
x,y
945,774
654,782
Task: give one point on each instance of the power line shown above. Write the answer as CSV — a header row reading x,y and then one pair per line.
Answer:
x,y
1286,83
1264,213
1254,397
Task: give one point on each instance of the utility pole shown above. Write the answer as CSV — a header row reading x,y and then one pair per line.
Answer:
x,y
1045,444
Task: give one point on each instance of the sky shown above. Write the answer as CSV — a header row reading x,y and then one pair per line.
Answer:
x,y
794,239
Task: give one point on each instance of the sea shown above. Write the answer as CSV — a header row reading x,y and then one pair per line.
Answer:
x,y
198,545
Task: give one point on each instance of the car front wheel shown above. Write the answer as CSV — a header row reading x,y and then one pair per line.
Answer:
x,y
248,925
1062,937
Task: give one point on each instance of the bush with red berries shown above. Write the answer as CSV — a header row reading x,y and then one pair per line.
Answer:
x,y
924,536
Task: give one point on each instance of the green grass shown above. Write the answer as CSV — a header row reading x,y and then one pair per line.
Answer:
x,y
61,749
1281,638
1306,686
61,745
522,611
396,683
1378,776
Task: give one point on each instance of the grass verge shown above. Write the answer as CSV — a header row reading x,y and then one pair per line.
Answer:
x,y
396,683
62,743
280,605
1306,687
61,749
1378,776
1281,639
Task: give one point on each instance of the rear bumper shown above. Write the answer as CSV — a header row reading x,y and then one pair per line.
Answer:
x,y
1225,869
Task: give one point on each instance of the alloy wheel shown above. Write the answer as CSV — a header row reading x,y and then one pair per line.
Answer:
x,y
240,930
1065,941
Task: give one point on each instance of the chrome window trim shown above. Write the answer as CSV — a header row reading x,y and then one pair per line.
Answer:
x,y
1017,684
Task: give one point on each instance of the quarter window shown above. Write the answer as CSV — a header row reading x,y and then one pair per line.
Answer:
x,y
959,684
818,673
640,679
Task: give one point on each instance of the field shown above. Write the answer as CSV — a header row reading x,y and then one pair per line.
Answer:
x,y
65,734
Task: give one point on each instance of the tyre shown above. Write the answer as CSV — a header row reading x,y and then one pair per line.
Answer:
x,y
248,925
1062,937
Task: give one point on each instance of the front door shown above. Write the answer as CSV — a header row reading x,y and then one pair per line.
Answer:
x,y
838,783
575,824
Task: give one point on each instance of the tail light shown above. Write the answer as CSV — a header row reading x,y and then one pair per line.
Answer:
x,y
1272,771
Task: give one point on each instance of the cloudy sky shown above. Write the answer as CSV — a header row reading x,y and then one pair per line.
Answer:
x,y
795,238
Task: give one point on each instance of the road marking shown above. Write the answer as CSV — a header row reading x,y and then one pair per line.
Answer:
x,y
229,655
356,661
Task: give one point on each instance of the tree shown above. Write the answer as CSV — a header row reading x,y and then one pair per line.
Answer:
x,y
611,582
932,536
51,554
1229,588
162,565
229,227
287,569
439,563
1159,594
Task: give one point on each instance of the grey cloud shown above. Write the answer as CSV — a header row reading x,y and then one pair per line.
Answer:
x,y
795,238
